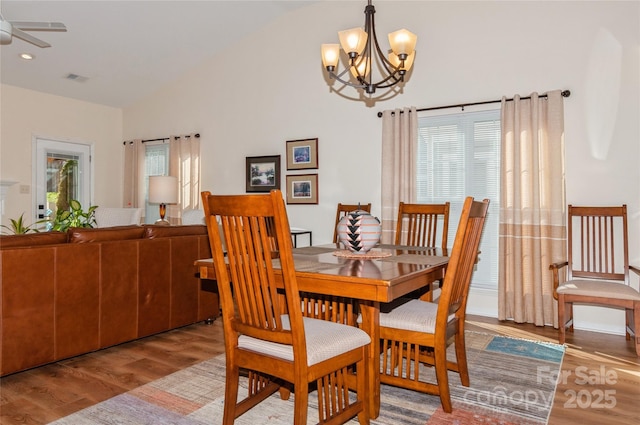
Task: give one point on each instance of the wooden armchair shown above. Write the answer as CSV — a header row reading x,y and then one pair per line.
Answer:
x,y
597,267
417,224
344,209
265,332
418,331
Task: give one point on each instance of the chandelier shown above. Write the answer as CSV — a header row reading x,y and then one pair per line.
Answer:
x,y
364,55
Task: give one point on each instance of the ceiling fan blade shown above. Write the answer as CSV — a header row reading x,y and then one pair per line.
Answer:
x,y
39,26
29,38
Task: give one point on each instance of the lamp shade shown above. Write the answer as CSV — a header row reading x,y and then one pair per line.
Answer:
x,y
163,189
403,42
353,41
330,55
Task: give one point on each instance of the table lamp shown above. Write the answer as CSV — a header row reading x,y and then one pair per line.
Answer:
x,y
163,190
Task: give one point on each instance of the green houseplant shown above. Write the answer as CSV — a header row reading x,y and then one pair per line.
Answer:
x,y
74,217
18,227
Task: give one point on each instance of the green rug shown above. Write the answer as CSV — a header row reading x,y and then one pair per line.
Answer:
x,y
512,382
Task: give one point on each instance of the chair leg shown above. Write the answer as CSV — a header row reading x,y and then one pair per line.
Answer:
x,y
565,316
561,319
440,360
231,395
629,325
570,315
361,387
461,357
300,402
636,326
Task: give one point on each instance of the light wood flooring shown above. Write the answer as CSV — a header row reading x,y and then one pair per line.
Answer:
x,y
600,384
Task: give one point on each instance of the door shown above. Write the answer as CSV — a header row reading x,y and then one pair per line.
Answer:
x,y
62,173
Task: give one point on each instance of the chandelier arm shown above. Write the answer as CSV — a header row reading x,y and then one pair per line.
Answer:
x,y
388,66
372,47
345,82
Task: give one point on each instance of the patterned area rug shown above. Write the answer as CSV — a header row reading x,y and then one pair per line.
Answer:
x,y
512,382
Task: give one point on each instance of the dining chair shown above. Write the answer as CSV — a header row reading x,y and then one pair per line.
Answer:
x,y
344,209
265,332
418,332
417,224
597,268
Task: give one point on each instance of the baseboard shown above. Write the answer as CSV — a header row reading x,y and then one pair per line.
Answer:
x,y
484,302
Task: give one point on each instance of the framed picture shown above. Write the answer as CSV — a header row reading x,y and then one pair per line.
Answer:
x,y
302,189
302,154
263,173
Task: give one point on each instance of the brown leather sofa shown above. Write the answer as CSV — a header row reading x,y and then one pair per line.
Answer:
x,y
66,294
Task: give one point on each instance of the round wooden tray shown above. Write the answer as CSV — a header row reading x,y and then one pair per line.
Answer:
x,y
344,253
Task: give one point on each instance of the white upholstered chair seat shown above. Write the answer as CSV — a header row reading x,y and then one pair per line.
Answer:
x,y
324,340
192,217
414,315
593,288
109,217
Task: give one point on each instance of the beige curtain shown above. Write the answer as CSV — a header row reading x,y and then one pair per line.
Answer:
x,y
133,184
532,207
399,147
184,163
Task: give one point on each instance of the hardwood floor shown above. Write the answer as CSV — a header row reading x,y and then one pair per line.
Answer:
x,y
600,380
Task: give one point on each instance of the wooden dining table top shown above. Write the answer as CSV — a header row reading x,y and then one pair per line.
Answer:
x,y
394,271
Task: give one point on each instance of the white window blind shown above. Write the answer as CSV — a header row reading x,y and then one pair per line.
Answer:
x,y
459,156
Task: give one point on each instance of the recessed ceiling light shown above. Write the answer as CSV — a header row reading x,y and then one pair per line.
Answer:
x,y
27,56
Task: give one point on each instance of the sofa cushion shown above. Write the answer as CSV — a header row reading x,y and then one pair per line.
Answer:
x,y
153,231
87,234
32,239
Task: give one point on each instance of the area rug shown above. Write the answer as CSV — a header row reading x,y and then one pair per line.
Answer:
x,y
513,381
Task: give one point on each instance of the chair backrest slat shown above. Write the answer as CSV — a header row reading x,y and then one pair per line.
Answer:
x,y
462,260
417,224
597,243
255,230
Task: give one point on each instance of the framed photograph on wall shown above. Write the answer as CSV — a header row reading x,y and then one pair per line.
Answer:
x,y
302,189
302,154
263,173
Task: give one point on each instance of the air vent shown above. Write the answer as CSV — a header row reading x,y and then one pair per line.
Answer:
x,y
76,77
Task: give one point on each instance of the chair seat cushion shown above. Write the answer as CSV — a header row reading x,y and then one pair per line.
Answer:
x,y
414,315
324,340
594,288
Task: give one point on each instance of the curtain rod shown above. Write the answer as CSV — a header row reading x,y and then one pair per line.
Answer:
x,y
197,135
564,93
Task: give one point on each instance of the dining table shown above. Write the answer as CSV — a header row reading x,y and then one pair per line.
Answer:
x,y
375,280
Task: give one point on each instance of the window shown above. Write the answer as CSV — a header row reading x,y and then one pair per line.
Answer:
x,y
459,156
156,163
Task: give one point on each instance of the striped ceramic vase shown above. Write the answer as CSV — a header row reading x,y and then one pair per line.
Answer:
x,y
359,231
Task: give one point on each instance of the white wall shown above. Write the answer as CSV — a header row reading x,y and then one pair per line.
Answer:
x,y
270,88
25,114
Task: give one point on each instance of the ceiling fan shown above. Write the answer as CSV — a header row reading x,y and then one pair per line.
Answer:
x,y
17,29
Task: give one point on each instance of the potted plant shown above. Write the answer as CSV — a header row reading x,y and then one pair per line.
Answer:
x,y
18,227
74,217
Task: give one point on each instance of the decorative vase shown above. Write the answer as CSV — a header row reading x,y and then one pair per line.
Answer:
x,y
359,231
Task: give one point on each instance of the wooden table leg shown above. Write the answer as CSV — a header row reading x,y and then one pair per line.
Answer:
x,y
371,325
